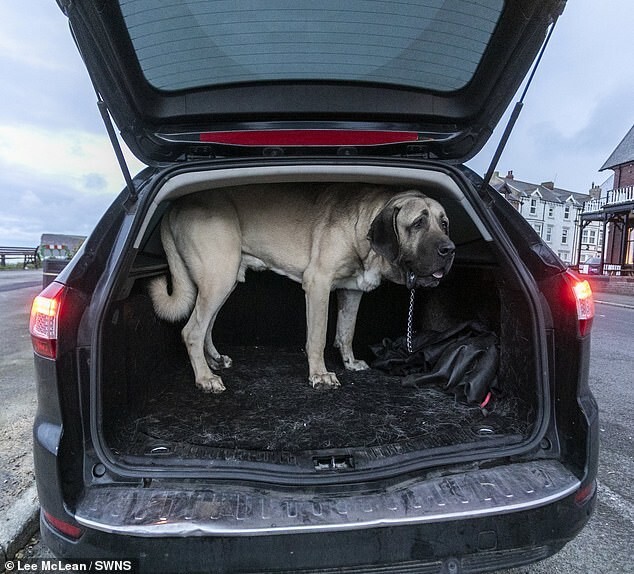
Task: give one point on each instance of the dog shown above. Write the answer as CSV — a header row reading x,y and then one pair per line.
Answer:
x,y
343,237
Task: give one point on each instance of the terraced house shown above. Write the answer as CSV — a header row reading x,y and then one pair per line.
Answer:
x,y
554,213
613,210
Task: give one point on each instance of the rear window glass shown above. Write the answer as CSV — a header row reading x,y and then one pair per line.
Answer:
x,y
428,44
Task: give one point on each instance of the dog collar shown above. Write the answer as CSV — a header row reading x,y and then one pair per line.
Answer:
x,y
410,279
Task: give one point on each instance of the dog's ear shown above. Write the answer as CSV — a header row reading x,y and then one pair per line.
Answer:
x,y
383,234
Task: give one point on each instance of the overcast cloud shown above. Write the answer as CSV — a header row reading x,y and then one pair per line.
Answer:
x,y
58,173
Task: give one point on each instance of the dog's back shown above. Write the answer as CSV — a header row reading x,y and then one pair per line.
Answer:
x,y
281,225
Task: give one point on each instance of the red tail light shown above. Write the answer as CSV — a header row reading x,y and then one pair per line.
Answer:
x,y
311,138
69,530
43,325
585,493
584,300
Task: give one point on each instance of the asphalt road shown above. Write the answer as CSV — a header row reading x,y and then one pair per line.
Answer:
x,y
605,546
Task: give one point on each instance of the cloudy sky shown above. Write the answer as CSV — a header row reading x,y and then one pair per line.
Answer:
x,y
58,173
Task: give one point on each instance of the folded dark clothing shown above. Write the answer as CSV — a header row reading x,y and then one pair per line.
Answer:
x,y
463,360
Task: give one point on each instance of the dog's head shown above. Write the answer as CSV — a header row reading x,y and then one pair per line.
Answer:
x,y
412,233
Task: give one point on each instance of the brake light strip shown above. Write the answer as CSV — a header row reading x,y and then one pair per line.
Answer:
x,y
309,138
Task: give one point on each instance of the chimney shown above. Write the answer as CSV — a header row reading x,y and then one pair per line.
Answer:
x,y
595,191
509,175
548,184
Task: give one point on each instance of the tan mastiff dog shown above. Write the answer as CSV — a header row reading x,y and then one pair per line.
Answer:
x,y
346,237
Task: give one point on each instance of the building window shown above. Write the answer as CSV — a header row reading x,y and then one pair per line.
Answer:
x,y
592,236
551,211
538,227
567,212
564,236
533,209
549,233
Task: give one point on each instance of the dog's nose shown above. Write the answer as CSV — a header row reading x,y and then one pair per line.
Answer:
x,y
446,248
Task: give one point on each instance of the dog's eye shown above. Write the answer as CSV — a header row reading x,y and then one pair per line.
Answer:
x,y
445,225
418,224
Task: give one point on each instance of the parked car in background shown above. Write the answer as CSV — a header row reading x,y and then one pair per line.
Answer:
x,y
56,250
132,460
591,266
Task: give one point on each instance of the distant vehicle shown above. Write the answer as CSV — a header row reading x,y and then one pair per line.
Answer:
x,y
591,266
56,250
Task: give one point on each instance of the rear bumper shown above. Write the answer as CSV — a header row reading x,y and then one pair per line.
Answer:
x,y
475,545
470,522
228,510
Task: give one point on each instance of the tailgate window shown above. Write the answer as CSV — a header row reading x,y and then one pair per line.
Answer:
x,y
424,44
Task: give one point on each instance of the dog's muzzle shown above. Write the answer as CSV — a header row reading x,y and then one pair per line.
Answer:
x,y
445,255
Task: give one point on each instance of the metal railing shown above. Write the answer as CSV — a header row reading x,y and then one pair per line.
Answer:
x,y
613,197
29,255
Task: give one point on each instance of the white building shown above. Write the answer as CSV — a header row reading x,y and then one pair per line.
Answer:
x,y
554,215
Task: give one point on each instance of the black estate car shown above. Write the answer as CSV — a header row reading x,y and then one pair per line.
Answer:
x,y
470,444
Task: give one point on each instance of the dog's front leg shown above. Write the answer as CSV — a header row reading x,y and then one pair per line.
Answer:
x,y
348,301
317,290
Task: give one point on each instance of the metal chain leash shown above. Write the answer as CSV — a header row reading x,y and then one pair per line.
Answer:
x,y
410,319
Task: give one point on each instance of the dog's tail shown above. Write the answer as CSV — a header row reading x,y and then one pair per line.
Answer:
x,y
180,302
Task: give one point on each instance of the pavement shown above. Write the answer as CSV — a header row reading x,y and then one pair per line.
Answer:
x,y
21,519
19,523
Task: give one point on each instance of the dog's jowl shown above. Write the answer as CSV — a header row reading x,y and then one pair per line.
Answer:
x,y
344,237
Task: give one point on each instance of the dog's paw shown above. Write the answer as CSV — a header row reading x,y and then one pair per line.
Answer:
x,y
324,381
211,384
356,365
220,362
